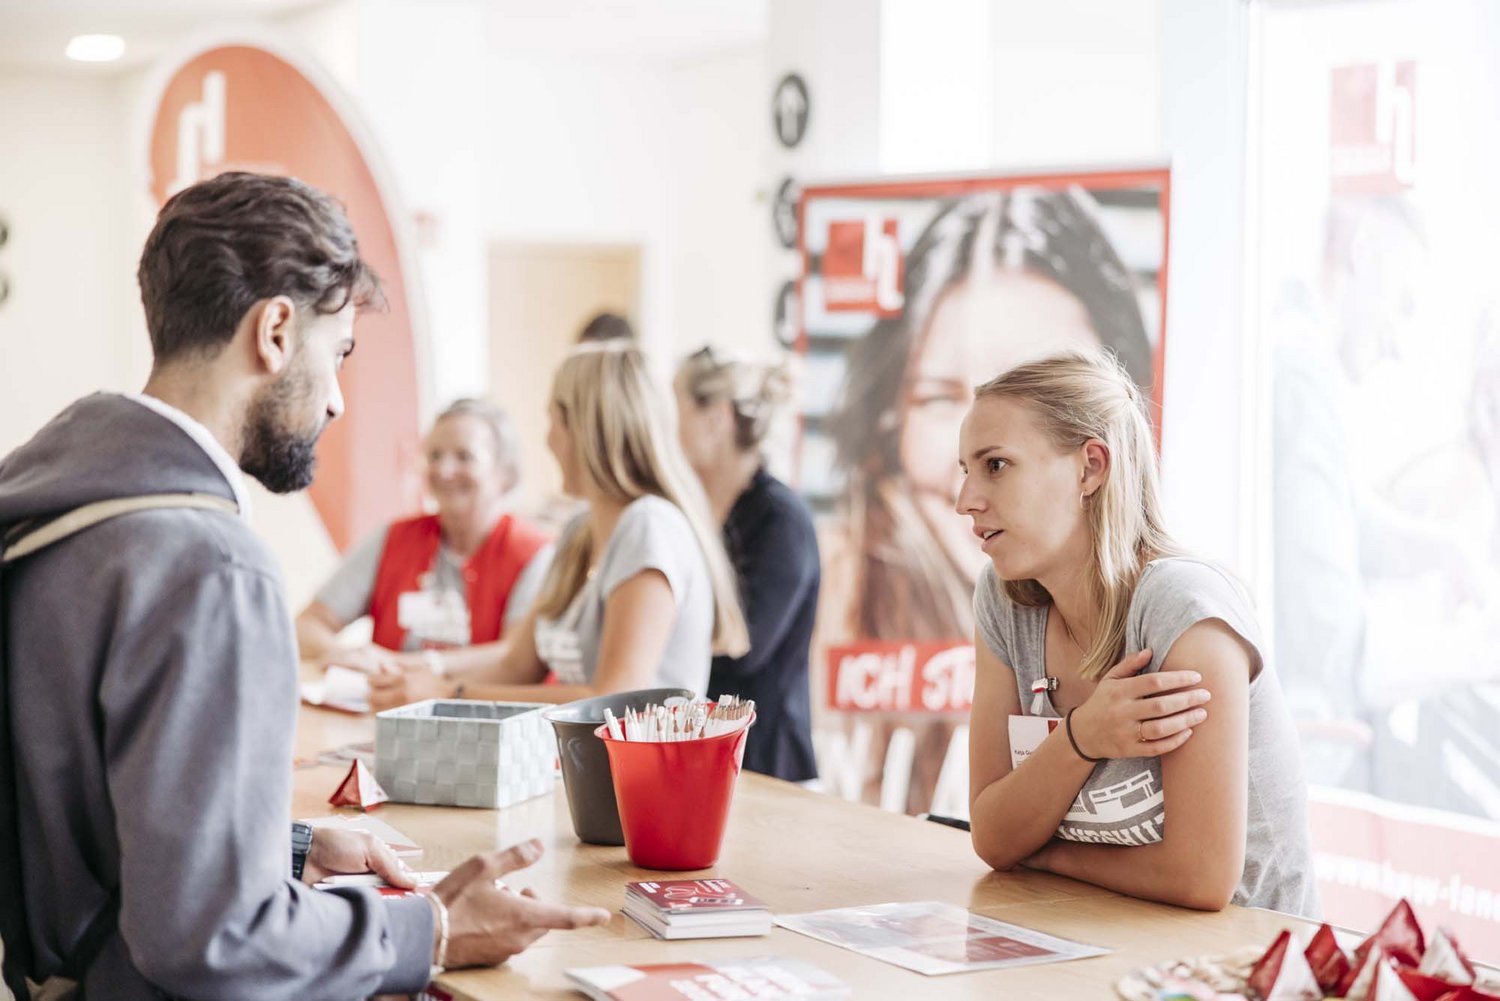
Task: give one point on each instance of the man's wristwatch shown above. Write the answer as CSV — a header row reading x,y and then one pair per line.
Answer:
x,y
302,835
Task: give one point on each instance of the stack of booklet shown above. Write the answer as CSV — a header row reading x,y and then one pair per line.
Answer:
x,y
696,908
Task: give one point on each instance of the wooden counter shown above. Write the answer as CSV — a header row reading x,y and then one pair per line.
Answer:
x,y
799,851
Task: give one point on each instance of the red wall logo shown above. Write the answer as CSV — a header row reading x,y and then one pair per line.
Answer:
x,y
862,268
238,107
1372,129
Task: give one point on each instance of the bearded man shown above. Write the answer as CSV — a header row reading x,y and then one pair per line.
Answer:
x,y
148,666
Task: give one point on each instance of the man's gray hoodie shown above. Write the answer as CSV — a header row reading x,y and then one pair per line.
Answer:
x,y
153,676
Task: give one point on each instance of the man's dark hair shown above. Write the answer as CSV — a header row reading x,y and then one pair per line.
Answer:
x,y
606,327
224,244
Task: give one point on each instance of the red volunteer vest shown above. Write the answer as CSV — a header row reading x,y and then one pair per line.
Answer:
x,y
411,549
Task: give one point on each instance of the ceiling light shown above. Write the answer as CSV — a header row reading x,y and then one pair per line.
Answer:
x,y
96,48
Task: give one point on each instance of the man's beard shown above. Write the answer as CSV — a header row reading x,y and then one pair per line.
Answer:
x,y
274,453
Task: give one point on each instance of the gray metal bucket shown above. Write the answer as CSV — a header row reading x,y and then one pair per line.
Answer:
x,y
585,763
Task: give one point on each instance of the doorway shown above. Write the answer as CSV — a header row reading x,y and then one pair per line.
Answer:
x,y
540,295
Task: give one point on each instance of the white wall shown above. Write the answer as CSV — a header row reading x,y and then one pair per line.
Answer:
x,y
61,190
937,71
1077,81
836,47
650,152
718,210
1207,457
420,87
329,34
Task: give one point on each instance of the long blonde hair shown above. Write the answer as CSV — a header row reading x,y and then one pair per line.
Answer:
x,y
627,447
1075,398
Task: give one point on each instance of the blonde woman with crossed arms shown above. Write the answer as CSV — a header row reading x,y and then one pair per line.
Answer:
x,y
1127,730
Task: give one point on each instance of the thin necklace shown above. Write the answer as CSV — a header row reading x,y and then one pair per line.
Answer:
x,y
1043,688
1068,631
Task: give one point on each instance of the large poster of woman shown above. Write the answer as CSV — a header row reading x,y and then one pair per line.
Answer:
x,y
912,293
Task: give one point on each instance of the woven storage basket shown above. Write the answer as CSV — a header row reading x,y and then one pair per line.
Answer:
x,y
463,753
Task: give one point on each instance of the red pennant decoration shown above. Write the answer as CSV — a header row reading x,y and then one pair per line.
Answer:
x,y
1328,962
1389,986
1424,987
1445,960
1469,994
1283,974
1360,979
359,788
1397,963
1400,936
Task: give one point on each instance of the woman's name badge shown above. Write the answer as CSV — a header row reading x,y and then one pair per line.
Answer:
x,y
439,617
1027,734
558,647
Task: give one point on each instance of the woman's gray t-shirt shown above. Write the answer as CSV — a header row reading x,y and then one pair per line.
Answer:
x,y
1123,802
652,534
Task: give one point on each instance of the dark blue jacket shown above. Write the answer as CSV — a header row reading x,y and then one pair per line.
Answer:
x,y
770,539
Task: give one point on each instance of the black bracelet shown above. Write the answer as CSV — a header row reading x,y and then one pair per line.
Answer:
x,y
1068,726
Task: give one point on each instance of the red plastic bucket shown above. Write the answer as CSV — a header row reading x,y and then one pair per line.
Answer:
x,y
674,796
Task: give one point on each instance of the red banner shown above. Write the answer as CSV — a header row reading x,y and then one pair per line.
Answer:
x,y
1370,853
901,677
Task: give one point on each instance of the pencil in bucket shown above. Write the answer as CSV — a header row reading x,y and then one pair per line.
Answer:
x,y
674,775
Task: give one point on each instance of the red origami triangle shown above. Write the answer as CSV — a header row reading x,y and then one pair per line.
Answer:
x,y
359,788
1399,935
1283,974
1446,959
1328,962
1388,986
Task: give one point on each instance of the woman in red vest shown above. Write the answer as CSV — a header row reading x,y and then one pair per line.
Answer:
x,y
438,581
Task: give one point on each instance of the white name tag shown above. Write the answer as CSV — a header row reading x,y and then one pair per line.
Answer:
x,y
1027,734
437,617
559,648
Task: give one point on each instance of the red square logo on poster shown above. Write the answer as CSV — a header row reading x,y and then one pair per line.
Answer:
x,y
1372,128
862,268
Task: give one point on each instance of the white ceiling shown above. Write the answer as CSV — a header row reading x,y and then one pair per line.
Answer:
x,y
626,27
33,33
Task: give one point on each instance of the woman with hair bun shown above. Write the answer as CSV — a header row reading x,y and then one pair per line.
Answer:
x,y
726,407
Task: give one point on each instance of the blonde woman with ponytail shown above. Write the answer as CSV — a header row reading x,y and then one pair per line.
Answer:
x,y
1126,730
640,593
